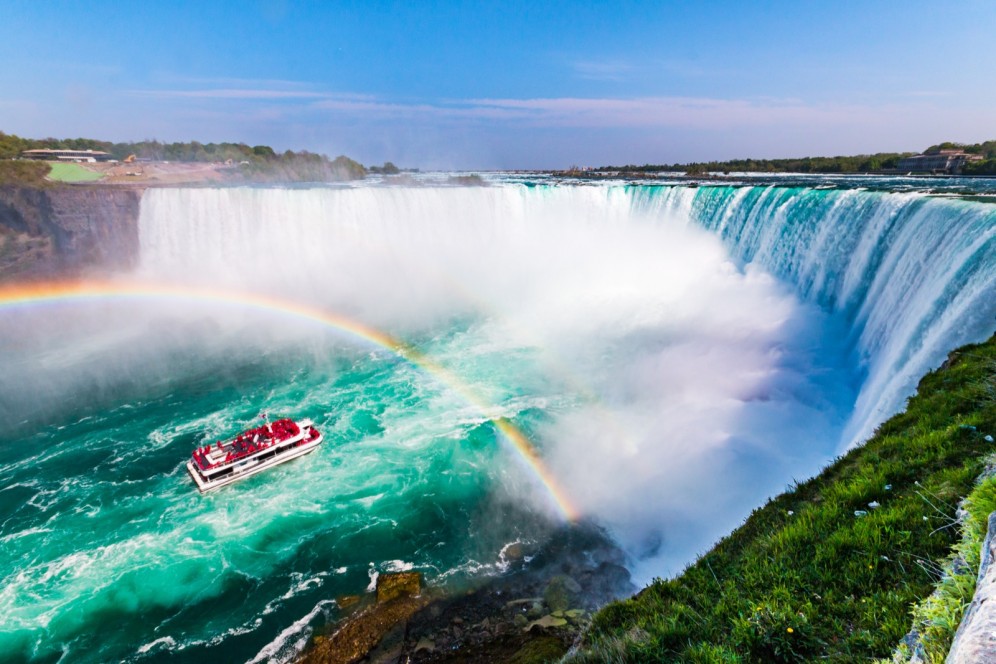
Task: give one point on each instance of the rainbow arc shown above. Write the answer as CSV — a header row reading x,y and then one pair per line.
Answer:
x,y
52,292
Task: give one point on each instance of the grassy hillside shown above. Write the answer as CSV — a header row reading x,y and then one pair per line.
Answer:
x,y
832,569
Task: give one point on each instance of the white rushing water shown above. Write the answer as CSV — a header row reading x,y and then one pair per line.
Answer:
x,y
696,381
676,354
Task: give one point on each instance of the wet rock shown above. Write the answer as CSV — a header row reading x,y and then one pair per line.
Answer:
x,y
399,584
501,619
347,601
546,622
376,632
560,592
522,602
390,647
574,615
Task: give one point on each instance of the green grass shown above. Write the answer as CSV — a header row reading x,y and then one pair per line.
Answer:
x,y
805,578
65,172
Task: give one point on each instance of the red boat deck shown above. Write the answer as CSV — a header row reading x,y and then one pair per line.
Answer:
x,y
248,443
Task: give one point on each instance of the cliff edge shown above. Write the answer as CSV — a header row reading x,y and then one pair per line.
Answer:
x,y
66,232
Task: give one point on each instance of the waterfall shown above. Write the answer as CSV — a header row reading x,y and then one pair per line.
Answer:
x,y
913,275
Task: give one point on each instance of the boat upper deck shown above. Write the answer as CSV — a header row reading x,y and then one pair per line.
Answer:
x,y
249,443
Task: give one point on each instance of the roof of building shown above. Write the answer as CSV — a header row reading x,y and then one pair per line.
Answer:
x,y
93,153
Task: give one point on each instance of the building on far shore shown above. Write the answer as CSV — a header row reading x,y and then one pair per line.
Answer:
x,y
89,156
939,161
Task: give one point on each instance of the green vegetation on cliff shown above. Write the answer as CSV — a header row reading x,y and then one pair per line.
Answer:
x,y
258,163
831,569
31,173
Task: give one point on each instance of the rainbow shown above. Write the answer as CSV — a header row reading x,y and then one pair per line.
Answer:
x,y
36,293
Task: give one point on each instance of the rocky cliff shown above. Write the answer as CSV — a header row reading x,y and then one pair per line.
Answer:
x,y
60,232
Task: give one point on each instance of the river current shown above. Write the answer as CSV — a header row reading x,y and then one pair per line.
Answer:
x,y
675,353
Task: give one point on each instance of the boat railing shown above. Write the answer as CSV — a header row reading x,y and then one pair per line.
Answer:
x,y
252,442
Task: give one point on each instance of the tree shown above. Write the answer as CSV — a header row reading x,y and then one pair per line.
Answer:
x,y
264,151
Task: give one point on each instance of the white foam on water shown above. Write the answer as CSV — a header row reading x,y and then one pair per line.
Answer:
x,y
162,643
292,640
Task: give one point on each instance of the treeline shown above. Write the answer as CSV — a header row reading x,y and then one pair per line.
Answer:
x,y
986,149
24,173
259,162
842,164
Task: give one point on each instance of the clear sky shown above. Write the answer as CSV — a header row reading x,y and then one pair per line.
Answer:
x,y
525,84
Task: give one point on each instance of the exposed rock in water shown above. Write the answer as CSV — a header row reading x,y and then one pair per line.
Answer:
x,y
348,601
508,618
401,584
376,633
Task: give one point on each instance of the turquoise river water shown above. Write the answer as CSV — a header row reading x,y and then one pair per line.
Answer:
x,y
676,354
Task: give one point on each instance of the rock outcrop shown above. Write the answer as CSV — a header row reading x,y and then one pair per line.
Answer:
x,y
65,232
975,640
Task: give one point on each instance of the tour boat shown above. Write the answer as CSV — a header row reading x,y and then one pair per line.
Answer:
x,y
251,452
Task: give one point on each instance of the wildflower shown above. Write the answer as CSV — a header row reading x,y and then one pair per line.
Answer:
x,y
789,630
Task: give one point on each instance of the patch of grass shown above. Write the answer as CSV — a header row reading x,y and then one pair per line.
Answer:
x,y
818,573
65,172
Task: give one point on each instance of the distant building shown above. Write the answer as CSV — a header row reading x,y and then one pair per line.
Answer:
x,y
67,155
940,161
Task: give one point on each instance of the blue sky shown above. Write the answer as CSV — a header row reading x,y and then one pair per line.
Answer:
x,y
506,84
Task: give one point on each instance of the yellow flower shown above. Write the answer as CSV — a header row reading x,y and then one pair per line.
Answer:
x,y
789,630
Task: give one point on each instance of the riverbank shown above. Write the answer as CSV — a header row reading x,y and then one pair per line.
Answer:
x,y
831,569
532,613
